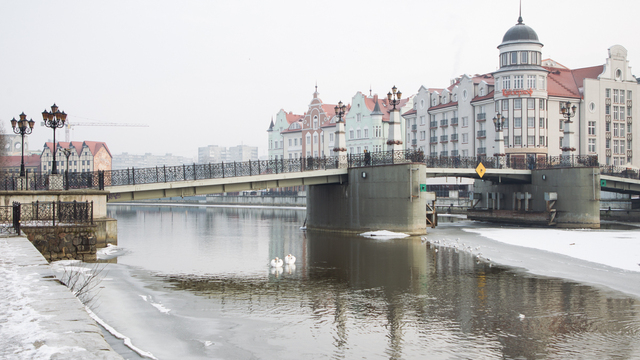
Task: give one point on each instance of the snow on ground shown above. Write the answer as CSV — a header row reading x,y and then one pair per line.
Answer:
x,y
383,235
618,249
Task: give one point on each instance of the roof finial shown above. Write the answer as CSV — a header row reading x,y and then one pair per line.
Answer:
x,y
520,15
370,91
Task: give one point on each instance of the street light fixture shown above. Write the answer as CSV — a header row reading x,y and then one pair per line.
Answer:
x,y
340,109
498,122
568,111
22,127
394,99
54,119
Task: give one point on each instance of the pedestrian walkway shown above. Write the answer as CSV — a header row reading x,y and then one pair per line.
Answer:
x,y
39,317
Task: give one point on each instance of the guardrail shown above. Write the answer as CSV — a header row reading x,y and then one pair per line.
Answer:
x,y
44,213
133,176
620,171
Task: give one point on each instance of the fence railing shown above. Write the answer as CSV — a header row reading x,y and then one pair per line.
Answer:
x,y
133,176
620,171
10,219
44,213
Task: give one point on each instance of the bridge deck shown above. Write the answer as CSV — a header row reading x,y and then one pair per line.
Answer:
x,y
220,185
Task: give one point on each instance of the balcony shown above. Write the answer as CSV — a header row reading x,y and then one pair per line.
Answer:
x,y
444,138
482,134
629,103
444,153
414,142
454,137
482,151
433,140
481,117
454,152
414,128
454,121
433,124
444,122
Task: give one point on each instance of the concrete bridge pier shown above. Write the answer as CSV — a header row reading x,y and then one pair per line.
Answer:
x,y
577,205
374,198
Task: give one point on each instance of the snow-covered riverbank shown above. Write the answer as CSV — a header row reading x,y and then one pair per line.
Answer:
x,y
609,258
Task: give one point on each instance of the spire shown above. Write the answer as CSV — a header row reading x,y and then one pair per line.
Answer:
x,y
520,15
271,126
370,91
376,108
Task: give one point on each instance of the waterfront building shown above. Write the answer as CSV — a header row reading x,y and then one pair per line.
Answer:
x,y
529,93
13,144
84,156
12,163
276,141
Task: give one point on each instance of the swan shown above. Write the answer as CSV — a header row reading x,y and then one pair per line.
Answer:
x,y
290,259
276,262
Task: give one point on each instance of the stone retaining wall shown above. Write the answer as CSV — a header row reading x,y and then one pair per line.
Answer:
x,y
64,242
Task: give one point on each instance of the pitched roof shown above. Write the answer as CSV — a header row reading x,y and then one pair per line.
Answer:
x,y
94,146
440,106
560,82
410,112
291,117
484,97
587,73
16,160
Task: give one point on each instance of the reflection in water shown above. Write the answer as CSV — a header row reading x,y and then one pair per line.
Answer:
x,y
353,296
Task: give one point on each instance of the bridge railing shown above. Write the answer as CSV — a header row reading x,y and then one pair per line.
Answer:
x,y
620,171
161,174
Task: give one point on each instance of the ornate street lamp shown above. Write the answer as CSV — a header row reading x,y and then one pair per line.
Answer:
x,y
22,127
394,99
54,119
568,111
498,122
340,109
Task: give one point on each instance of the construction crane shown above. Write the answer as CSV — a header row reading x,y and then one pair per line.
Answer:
x,y
68,125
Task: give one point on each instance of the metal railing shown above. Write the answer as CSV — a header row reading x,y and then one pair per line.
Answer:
x,y
44,213
133,176
620,171
10,219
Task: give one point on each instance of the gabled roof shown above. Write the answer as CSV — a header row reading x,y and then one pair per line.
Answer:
x,y
291,117
410,112
484,97
94,146
587,73
560,82
16,160
440,106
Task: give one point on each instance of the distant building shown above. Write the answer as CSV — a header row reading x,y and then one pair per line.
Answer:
x,y
11,163
84,156
216,154
126,160
13,144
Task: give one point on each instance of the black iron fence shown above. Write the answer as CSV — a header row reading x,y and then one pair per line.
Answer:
x,y
10,219
45,213
620,171
133,176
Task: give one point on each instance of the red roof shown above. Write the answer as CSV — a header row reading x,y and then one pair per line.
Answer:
x,y
440,106
94,146
587,73
485,97
16,160
560,82
410,112
291,117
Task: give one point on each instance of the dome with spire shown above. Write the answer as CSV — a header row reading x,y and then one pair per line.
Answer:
x,y
520,33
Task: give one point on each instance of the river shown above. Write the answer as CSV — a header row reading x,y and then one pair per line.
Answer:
x,y
194,282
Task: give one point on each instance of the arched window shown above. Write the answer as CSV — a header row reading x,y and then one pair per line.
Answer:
x,y
315,121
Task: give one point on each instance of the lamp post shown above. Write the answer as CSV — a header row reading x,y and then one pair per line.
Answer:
x,y
394,99
340,110
22,127
498,122
54,119
568,111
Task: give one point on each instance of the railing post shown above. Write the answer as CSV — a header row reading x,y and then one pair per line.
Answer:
x,y
276,165
250,172
53,207
235,170
16,217
75,210
101,180
222,165
195,177
184,172
259,171
133,175
210,177
91,210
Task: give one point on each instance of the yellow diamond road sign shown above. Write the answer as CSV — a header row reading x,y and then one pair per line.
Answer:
x,y
481,170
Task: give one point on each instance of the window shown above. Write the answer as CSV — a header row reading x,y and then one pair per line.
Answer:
x,y
531,103
541,124
465,121
518,81
607,126
615,96
615,113
358,117
506,141
621,109
315,138
366,133
517,104
351,134
422,120
358,149
541,81
621,96
616,147
504,57
308,140
506,123
608,144
330,137
531,122
506,82
315,122
290,142
607,109
621,130
561,139
505,105
524,57
517,122
531,140
377,130
351,149
358,134
541,104
531,81
517,140
423,135
629,94
561,122
497,107
514,58
465,138
541,140
534,57
607,93
592,128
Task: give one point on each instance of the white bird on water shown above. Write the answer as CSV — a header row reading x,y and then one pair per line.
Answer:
x,y
289,259
277,262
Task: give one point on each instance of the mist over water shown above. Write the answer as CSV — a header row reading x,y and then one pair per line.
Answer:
x,y
197,279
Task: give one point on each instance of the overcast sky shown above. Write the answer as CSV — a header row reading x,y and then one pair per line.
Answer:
x,y
215,72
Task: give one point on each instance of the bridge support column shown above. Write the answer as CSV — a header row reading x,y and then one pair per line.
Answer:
x,y
374,198
577,204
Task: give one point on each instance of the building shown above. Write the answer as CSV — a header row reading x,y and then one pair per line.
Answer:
x,y
12,163
276,140
13,144
529,94
215,154
76,156
241,153
126,160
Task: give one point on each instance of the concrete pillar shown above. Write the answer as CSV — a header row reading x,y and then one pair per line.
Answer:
x,y
373,198
340,145
395,131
